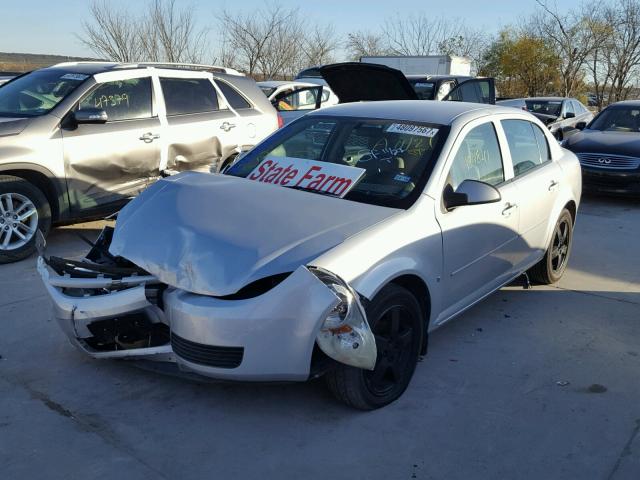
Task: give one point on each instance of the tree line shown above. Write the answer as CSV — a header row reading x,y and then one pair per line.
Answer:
x,y
594,48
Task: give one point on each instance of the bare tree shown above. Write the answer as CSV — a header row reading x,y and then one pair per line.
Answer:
x,y
274,42
113,34
171,35
166,34
419,34
319,45
623,53
364,44
573,36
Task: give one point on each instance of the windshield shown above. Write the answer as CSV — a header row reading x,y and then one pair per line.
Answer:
x,y
423,89
381,162
545,107
37,93
618,119
267,90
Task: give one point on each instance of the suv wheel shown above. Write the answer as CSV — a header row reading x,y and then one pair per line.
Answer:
x,y
23,210
397,322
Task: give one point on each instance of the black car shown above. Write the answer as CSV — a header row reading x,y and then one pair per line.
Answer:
x,y
609,149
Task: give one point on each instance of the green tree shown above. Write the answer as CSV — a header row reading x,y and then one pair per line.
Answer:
x,y
523,64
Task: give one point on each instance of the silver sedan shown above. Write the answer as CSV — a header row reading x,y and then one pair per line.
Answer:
x,y
333,248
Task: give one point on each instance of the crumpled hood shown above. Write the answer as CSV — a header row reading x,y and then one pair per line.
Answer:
x,y
12,126
214,234
596,141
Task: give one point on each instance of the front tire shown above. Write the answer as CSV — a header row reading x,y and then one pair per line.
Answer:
x,y
554,263
23,211
396,319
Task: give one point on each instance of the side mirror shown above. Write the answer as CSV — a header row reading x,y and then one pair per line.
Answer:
x,y
581,125
90,115
470,192
569,115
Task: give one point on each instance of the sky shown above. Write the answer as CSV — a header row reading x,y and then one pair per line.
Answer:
x,y
51,26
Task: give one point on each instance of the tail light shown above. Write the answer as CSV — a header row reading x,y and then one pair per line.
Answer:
x,y
280,121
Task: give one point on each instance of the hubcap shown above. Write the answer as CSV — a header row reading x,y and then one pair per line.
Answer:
x,y
560,246
18,221
394,337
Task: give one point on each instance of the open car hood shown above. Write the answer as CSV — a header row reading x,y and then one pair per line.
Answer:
x,y
214,234
355,82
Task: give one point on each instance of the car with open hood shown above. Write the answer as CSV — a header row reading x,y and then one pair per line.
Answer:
x,y
331,249
609,149
79,139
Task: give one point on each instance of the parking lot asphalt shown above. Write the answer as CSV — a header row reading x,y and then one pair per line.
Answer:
x,y
541,384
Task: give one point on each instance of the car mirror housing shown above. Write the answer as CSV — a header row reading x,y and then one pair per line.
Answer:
x,y
569,115
581,125
90,115
471,192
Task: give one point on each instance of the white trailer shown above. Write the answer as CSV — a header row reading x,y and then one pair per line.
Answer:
x,y
424,64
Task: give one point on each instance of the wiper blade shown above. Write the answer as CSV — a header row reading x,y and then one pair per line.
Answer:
x,y
320,192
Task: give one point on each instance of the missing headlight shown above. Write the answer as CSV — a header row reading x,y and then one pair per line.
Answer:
x,y
345,334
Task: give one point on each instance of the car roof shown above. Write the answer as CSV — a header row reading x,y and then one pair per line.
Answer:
x,y
439,112
626,103
438,77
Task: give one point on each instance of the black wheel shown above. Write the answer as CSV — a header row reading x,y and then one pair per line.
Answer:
x,y
397,322
23,210
551,268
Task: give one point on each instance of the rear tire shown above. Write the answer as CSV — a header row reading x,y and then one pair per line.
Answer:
x,y
554,263
24,209
397,322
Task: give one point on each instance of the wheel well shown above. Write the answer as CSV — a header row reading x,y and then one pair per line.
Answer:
x,y
419,289
571,206
43,183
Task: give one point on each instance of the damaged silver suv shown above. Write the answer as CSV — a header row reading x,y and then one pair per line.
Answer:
x,y
78,140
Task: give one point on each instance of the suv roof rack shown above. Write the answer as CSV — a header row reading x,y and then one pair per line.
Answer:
x,y
170,66
181,66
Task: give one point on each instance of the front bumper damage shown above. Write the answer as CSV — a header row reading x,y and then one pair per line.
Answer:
x,y
134,316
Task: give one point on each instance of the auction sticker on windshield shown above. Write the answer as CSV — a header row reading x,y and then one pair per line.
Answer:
x,y
306,174
411,129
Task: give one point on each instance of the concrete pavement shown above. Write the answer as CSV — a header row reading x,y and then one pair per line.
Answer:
x,y
540,384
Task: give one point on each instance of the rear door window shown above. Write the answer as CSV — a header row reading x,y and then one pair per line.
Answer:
x,y
234,98
122,99
183,96
527,144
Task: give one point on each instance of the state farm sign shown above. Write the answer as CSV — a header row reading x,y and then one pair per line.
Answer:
x,y
308,174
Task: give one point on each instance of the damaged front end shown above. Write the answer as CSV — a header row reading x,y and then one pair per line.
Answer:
x,y
268,330
107,306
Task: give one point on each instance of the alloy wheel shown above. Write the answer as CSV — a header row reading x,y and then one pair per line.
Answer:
x,y
18,220
560,246
394,337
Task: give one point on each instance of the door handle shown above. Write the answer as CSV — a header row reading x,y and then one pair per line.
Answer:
x,y
149,137
553,185
226,126
507,209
